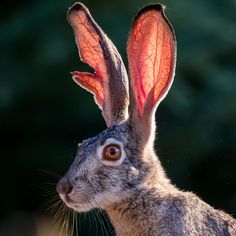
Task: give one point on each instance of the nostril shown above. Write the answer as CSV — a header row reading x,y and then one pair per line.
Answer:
x,y
64,186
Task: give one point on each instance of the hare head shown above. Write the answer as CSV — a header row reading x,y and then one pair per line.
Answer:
x,y
111,166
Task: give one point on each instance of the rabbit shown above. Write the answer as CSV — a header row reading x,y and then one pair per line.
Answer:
x,y
118,170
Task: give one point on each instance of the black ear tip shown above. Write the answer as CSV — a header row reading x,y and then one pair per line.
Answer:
x,y
77,6
155,6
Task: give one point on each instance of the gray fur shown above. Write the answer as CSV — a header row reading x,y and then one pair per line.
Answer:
x,y
137,195
148,203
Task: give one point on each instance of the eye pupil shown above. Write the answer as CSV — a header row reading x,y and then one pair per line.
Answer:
x,y
113,151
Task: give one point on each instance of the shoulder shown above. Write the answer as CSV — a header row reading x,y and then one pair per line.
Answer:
x,y
183,213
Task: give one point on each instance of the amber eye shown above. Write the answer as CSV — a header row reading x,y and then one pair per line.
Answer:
x,y
112,152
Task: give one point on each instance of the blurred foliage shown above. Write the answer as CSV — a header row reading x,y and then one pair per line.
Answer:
x,y
43,114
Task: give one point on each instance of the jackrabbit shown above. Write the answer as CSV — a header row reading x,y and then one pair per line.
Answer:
x,y
118,170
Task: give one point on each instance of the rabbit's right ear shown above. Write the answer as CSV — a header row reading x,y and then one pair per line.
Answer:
x,y
109,82
152,57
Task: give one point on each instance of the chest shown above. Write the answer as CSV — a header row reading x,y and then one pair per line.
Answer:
x,y
126,225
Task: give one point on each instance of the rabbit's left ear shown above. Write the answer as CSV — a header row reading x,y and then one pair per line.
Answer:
x,y
152,57
109,82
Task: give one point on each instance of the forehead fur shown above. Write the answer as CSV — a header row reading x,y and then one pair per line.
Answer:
x,y
118,132
88,147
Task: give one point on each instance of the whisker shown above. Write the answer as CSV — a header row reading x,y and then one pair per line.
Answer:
x,y
56,214
111,230
96,224
101,223
89,219
64,220
67,221
73,223
49,194
103,227
43,184
50,173
70,222
53,205
59,214
76,224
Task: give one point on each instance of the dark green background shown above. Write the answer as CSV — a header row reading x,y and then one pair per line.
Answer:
x,y
43,113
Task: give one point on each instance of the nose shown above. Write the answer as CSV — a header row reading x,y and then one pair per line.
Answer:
x,y
64,186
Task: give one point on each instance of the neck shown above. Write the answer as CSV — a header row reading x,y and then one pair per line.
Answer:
x,y
131,216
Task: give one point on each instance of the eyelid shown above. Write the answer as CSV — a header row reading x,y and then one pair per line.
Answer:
x,y
108,162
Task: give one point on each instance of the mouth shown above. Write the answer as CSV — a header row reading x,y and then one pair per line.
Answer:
x,y
68,201
71,203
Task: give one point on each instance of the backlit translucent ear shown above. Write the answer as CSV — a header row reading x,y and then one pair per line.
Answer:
x,y
109,82
151,54
152,57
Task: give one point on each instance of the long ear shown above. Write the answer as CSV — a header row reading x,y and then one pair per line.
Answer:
x,y
152,57
109,82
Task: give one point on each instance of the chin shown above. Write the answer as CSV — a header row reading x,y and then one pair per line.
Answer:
x,y
84,207
77,206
